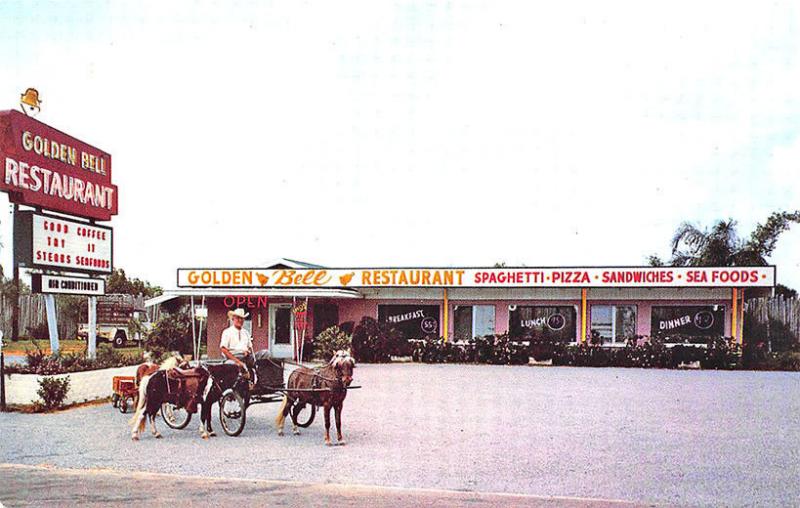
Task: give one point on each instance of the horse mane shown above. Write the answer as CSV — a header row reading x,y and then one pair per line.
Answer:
x,y
340,358
169,363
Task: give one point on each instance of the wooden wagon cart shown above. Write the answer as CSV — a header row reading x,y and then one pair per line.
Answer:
x,y
125,393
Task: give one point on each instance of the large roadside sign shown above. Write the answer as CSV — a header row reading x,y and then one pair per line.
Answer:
x,y
56,243
44,168
67,285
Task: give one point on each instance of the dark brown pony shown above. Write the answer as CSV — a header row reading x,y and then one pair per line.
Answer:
x,y
332,380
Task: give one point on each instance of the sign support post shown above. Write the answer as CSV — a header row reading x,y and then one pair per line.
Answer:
x,y
15,275
91,346
52,322
195,356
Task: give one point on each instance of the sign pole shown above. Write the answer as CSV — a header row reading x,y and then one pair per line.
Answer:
x,y
15,274
92,340
200,331
52,322
294,328
194,331
303,334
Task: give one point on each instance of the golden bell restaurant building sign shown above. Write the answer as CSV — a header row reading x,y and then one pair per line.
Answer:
x,y
611,277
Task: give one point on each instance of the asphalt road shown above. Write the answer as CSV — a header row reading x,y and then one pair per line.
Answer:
x,y
645,436
48,486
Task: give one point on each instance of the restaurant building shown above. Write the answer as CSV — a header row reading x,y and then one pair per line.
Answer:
x,y
288,300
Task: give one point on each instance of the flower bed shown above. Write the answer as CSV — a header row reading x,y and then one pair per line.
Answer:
x,y
39,362
89,379
21,389
711,353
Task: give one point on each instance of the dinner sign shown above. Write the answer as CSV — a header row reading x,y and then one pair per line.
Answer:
x,y
754,276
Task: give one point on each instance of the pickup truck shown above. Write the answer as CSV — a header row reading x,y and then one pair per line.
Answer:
x,y
117,334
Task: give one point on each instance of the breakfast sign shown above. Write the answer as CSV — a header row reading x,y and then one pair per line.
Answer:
x,y
43,167
751,276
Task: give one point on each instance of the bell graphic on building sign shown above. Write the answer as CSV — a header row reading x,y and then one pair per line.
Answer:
x,y
30,103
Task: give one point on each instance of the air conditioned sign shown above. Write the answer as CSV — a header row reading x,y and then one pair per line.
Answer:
x,y
49,242
45,168
62,284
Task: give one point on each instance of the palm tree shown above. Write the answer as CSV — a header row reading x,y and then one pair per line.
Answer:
x,y
721,245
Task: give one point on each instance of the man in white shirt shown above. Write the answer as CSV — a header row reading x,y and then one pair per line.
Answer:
x,y
236,344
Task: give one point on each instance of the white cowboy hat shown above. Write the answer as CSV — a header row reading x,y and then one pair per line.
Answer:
x,y
238,313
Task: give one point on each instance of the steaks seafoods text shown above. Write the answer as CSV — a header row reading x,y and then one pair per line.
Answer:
x,y
762,276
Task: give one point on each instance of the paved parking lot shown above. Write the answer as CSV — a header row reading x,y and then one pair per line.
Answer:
x,y
672,437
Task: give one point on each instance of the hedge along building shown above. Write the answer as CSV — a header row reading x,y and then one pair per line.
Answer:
x,y
571,305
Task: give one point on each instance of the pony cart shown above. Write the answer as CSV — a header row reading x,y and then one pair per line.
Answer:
x,y
236,393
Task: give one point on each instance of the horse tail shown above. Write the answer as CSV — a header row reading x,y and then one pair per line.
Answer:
x,y
138,419
282,413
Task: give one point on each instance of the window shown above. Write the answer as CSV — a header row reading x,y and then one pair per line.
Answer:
x,y
471,321
542,322
615,324
690,320
411,321
325,316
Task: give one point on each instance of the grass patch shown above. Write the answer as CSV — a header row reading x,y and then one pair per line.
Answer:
x,y
65,346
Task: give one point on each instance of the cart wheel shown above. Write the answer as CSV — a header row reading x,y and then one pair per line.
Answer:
x,y
175,417
303,414
232,413
115,400
123,405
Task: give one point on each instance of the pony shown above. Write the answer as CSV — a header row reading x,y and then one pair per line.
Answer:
x,y
334,378
222,377
153,390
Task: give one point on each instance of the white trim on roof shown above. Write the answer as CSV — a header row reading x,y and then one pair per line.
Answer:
x,y
291,263
211,292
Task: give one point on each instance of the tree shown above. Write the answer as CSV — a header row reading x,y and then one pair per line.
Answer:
x,y
721,245
172,332
118,282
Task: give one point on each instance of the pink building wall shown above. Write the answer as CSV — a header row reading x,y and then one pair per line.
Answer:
x,y
356,308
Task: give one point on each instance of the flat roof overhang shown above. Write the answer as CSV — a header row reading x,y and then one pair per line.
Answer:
x,y
273,292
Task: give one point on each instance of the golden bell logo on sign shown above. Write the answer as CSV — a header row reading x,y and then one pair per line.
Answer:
x,y
30,102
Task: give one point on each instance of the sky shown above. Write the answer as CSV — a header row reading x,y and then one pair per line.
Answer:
x,y
419,133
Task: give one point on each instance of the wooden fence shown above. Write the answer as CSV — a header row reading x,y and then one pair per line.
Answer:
x,y
776,321
33,314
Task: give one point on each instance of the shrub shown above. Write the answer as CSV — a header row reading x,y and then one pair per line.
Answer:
x,y
331,340
172,332
53,391
371,342
492,349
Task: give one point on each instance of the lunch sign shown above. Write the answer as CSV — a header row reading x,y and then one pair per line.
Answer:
x,y
751,276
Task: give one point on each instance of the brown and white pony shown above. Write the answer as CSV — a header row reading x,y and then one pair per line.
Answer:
x,y
334,378
151,395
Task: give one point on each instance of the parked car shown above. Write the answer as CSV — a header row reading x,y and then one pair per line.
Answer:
x,y
117,334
